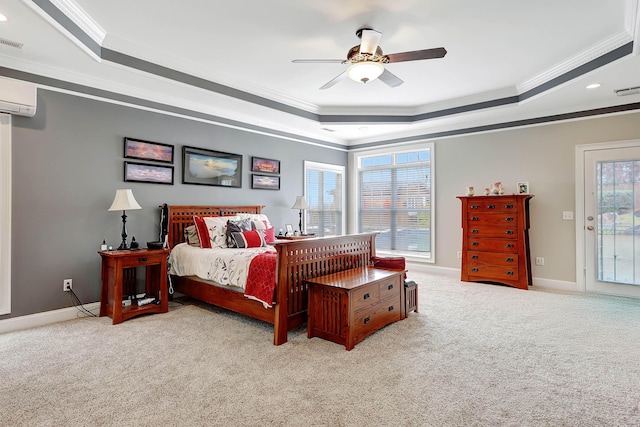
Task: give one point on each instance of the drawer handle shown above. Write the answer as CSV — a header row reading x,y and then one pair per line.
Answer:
x,y
474,269
367,296
509,219
475,244
491,206
142,260
367,320
509,245
474,218
475,231
474,257
509,259
509,273
510,232
508,206
389,287
390,308
475,206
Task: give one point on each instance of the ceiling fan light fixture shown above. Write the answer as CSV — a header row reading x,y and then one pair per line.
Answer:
x,y
365,71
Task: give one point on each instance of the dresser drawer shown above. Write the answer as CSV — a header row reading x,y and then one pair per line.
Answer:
x,y
492,205
492,245
492,231
365,296
366,321
506,219
497,272
390,288
488,258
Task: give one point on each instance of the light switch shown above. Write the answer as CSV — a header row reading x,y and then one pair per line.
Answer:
x,y
567,215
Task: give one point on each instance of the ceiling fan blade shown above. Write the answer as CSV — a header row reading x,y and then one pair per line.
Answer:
x,y
333,81
415,55
370,41
318,61
390,79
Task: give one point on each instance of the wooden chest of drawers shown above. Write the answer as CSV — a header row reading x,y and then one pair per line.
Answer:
x,y
495,240
348,306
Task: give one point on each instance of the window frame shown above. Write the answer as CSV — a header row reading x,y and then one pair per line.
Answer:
x,y
354,187
327,167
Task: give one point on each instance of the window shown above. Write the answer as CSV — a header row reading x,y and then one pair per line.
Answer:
x,y
395,195
324,191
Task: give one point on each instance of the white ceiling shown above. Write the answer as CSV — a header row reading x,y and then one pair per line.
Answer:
x,y
496,49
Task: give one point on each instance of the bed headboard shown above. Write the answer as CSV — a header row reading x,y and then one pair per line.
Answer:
x,y
181,217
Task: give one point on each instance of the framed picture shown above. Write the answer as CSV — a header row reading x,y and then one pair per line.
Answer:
x,y
289,229
258,164
207,167
146,150
142,172
523,187
265,182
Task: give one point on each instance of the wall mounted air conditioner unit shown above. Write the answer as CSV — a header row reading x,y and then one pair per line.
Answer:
x,y
17,97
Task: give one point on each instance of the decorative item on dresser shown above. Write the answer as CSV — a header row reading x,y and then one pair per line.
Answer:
x,y
495,240
296,261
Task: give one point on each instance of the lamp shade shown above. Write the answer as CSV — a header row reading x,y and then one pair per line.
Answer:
x,y
300,203
365,71
124,201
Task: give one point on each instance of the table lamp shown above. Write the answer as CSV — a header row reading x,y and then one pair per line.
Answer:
x,y
124,201
300,203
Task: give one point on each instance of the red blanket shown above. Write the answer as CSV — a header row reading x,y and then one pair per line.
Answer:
x,y
261,279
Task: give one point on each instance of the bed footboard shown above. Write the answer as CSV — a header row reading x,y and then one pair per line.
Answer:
x,y
300,260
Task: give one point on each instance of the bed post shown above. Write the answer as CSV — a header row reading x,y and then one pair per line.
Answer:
x,y
281,315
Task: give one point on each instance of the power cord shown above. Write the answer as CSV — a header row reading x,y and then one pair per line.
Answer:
x,y
78,305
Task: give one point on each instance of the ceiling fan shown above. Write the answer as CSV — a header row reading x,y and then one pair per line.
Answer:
x,y
366,60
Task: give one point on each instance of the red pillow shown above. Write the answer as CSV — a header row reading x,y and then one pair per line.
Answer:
x,y
203,232
390,263
269,235
248,239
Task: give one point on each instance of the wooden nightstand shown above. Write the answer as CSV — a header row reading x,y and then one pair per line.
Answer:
x,y
119,276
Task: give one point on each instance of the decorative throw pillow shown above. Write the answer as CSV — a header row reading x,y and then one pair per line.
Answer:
x,y
255,218
248,239
217,228
202,231
191,236
236,226
269,235
390,263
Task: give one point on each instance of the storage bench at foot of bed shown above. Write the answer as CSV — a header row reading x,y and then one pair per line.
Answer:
x,y
348,306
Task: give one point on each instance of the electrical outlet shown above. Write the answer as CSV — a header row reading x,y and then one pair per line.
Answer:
x,y
67,285
539,260
459,254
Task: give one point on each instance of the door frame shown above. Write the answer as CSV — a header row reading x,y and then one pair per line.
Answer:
x,y
581,250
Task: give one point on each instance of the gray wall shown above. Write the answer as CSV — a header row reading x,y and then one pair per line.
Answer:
x,y
67,165
542,155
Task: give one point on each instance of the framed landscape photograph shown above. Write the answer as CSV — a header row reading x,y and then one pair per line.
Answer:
x,y
141,172
208,167
147,150
259,164
265,182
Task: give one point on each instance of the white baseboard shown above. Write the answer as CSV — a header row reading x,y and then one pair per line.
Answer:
x,y
44,318
538,282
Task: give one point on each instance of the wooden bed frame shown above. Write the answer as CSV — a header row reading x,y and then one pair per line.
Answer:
x,y
297,261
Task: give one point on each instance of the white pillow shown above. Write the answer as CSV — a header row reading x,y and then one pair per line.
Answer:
x,y
258,219
217,227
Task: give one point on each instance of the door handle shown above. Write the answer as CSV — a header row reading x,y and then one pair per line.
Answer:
x,y
590,227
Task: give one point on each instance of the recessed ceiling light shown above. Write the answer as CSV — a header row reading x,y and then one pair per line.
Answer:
x,y
593,85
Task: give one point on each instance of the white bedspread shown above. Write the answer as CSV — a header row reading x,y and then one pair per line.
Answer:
x,y
228,266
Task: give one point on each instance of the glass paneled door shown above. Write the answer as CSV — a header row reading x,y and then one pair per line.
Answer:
x,y
612,220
